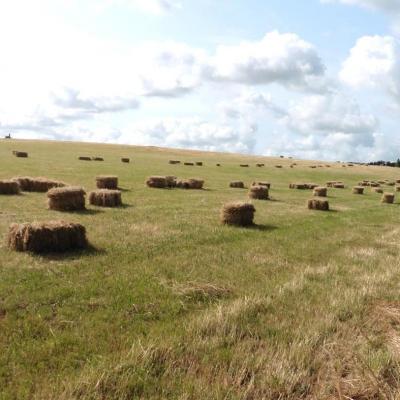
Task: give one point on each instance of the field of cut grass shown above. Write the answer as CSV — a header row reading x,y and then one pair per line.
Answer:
x,y
170,304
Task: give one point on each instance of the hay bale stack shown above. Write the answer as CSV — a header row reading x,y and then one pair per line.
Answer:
x,y
52,236
173,162
358,190
318,204
159,182
387,198
238,214
259,193
67,198
9,187
85,158
199,163
98,159
377,190
105,198
320,191
188,163
107,182
171,181
20,154
244,165
266,184
39,184
237,184
125,160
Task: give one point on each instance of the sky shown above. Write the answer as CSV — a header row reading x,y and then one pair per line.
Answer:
x,y
312,79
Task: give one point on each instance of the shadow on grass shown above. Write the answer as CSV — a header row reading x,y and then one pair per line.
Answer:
x,y
88,211
124,190
262,227
71,255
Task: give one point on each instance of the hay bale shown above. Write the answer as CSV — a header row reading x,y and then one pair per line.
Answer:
x,y
20,154
258,183
199,163
52,236
311,186
318,204
218,165
105,198
278,166
358,190
397,180
377,190
363,183
259,193
390,183
300,186
397,188
260,165
107,182
182,184
320,191
313,166
171,181
67,198
85,158
159,182
238,214
97,158
38,184
237,184
9,187
195,183
338,185
173,162
387,198
125,160
188,163
244,165
374,184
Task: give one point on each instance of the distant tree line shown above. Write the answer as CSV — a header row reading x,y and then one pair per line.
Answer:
x,y
386,163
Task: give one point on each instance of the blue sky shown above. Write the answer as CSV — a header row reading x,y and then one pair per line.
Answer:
x,y
316,79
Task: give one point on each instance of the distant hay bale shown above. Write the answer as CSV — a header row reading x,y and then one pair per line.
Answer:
x,y
105,198
171,181
97,158
397,180
188,163
259,165
125,160
38,184
381,182
20,154
159,182
259,192
67,198
300,186
244,165
320,191
182,184
9,187
195,183
237,184
390,183
374,184
364,183
387,198
278,166
218,165
311,186
318,204
238,214
52,236
174,162
199,163
313,166
397,188
376,189
338,185
107,182
358,190
258,183
85,158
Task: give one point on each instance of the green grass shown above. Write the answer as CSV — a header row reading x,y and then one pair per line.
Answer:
x,y
174,305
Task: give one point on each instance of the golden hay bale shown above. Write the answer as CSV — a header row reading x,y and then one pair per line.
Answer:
x,y
188,163
260,165
171,181
259,193
85,158
38,184
330,183
182,184
67,198
239,214
105,198
318,204
125,160
278,166
244,165
300,186
107,182
52,236
374,184
20,154
338,185
195,183
258,183
97,158
363,183
199,163
387,198
320,191
159,182
358,190
237,184
174,162
377,190
9,187
311,186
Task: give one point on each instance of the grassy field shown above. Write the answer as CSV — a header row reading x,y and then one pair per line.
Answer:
x,y
170,304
